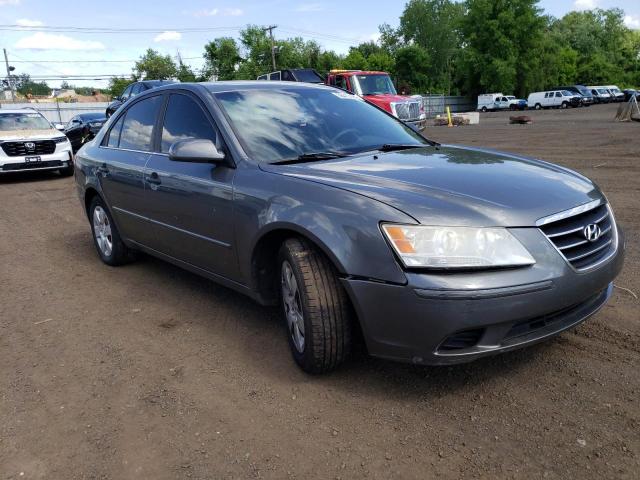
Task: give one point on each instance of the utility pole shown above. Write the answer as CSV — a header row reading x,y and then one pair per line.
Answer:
x,y
6,62
273,47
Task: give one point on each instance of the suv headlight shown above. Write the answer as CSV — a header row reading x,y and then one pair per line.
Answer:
x,y
420,246
61,139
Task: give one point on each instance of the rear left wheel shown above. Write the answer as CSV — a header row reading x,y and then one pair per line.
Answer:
x,y
315,307
106,237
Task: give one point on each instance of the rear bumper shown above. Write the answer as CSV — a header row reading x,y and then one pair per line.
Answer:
x,y
455,318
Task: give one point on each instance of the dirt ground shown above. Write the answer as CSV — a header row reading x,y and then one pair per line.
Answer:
x,y
147,371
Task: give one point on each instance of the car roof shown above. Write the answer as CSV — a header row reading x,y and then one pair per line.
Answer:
x,y
19,110
153,83
226,86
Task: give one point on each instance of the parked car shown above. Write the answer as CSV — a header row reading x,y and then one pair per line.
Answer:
x,y
600,94
630,92
83,127
308,75
584,92
377,88
498,101
616,94
312,198
554,99
133,90
29,142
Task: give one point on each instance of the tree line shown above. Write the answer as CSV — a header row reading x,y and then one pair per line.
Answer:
x,y
443,46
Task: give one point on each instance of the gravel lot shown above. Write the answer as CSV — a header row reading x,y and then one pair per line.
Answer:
x,y
147,371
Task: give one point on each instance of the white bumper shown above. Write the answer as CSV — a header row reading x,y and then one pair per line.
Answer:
x,y
62,157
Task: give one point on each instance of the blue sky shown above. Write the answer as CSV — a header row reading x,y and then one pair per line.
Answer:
x,y
334,24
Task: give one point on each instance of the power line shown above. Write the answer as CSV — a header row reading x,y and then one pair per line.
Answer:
x,y
91,61
62,29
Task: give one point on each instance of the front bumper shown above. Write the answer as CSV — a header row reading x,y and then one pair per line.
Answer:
x,y
441,319
54,161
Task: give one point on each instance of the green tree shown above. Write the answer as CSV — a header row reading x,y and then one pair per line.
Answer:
x,y
355,60
185,73
433,25
412,62
501,38
154,66
117,85
25,85
222,59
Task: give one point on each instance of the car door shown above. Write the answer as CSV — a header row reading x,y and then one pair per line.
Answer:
x,y
191,204
125,151
73,131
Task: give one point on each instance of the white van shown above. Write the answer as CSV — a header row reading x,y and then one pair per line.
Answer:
x,y
490,101
553,99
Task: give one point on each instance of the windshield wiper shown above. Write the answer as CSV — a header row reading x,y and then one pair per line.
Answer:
x,y
310,157
393,147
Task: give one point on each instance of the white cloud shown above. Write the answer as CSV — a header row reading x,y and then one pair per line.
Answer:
x,y
206,13
585,4
310,7
49,41
233,12
9,2
632,21
372,37
227,12
168,36
25,22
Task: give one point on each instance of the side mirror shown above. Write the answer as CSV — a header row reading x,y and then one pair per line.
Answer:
x,y
195,150
59,126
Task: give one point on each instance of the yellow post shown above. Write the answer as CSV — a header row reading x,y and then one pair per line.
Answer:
x,y
449,117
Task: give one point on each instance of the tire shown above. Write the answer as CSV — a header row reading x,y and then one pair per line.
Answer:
x,y
484,109
312,297
564,105
107,236
538,106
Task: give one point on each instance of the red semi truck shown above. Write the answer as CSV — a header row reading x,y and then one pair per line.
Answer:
x,y
377,88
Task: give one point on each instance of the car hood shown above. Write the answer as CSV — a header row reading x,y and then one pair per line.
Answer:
x,y
25,135
387,97
455,185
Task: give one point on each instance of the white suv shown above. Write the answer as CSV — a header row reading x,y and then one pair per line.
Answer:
x,y
29,142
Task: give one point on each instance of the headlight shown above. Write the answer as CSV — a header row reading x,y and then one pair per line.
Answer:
x,y
456,247
60,139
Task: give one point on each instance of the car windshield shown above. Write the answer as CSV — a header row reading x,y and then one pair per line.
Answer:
x,y
585,92
281,124
511,97
603,91
375,84
567,93
23,121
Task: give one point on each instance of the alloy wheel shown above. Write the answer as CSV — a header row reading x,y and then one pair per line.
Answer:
x,y
292,306
102,231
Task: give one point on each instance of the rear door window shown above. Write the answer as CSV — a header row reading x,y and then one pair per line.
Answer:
x,y
185,118
558,94
137,129
113,138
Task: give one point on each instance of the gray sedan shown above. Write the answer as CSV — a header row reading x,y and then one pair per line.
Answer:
x,y
309,197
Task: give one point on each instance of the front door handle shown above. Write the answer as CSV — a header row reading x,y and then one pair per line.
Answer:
x,y
102,170
154,178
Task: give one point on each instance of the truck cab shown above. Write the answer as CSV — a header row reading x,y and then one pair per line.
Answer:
x,y
377,88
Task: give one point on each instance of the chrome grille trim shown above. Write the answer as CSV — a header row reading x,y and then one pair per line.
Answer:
x,y
564,230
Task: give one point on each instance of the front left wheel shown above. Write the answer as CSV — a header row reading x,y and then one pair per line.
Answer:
x,y
315,307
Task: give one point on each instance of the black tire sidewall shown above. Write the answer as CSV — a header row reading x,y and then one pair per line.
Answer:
x,y
304,358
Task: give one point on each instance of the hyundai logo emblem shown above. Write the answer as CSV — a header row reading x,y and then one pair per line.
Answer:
x,y
30,145
592,232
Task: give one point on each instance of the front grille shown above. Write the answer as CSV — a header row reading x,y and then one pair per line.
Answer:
x,y
7,167
19,149
408,110
569,237
462,340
